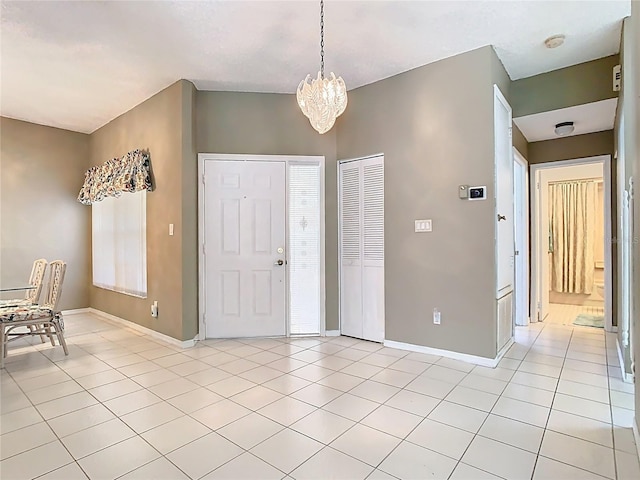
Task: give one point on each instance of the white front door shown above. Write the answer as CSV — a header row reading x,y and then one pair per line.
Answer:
x,y
245,290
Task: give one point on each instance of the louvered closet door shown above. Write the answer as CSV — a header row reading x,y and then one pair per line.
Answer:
x,y
351,249
362,248
373,249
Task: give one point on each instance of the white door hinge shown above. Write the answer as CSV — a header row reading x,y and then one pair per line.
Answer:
x,y
204,179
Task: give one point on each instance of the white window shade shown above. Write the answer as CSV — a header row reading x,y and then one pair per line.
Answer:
x,y
119,243
305,248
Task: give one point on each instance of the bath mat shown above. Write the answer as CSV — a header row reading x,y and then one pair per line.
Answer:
x,y
586,320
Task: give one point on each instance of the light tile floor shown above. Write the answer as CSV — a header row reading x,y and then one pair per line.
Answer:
x,y
123,405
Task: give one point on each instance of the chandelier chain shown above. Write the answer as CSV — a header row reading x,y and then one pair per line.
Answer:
x,y
321,38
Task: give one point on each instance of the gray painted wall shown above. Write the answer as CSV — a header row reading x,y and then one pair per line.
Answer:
x,y
42,172
434,126
272,124
157,125
583,83
520,142
577,146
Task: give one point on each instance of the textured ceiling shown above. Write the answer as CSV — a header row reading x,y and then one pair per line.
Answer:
x,y
587,118
78,65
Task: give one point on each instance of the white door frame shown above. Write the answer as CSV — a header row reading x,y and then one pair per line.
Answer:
x,y
522,290
338,163
287,159
536,229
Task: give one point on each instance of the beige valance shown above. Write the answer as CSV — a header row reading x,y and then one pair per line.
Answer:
x,y
129,173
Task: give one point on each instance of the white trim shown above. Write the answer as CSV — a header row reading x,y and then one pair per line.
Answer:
x,y
366,157
524,253
331,333
626,377
483,361
287,159
147,331
76,311
606,175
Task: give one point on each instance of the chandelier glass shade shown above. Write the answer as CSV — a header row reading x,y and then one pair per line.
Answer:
x,y
321,99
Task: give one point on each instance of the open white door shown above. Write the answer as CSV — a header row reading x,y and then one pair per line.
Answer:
x,y
540,252
521,195
505,247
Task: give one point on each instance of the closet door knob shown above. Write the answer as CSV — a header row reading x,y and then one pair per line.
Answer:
x,y
501,217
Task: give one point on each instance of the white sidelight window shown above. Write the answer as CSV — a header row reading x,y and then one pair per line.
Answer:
x,y
305,248
119,244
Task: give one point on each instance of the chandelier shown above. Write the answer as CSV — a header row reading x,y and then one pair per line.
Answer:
x,y
321,99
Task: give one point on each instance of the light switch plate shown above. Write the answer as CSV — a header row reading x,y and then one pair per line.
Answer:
x,y
423,226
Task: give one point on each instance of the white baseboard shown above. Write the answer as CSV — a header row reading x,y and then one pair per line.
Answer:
x,y
145,330
483,361
332,333
75,311
626,377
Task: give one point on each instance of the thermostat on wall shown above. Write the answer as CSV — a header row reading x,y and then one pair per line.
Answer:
x,y
477,193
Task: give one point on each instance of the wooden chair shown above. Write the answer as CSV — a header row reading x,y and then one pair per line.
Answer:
x,y
36,279
43,319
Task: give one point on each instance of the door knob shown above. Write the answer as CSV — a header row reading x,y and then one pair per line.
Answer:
x,y
501,217
279,262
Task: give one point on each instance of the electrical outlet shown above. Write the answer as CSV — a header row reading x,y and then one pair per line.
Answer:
x,y
154,309
436,316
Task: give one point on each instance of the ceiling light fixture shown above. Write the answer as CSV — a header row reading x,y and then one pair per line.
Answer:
x,y
555,41
322,100
564,128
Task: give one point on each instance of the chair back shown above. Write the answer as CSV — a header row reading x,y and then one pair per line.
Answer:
x,y
36,280
54,290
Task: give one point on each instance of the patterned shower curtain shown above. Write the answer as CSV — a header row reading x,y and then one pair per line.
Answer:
x,y
572,225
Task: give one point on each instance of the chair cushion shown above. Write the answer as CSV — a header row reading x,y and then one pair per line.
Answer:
x,y
26,312
15,302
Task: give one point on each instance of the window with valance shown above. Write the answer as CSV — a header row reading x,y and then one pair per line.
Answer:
x,y
116,191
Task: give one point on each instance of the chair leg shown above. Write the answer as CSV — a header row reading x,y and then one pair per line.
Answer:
x,y
50,333
33,328
60,333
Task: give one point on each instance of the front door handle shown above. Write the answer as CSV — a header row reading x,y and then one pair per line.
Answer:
x,y
279,263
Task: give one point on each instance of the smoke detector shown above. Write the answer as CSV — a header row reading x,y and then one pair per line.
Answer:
x,y
555,41
564,128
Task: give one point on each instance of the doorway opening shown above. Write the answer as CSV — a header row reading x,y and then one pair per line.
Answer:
x,y
262,245
571,256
